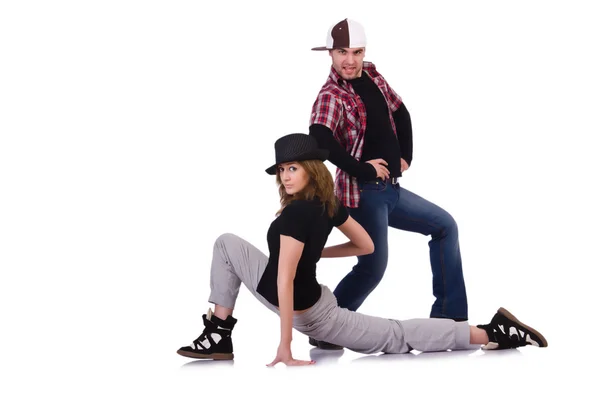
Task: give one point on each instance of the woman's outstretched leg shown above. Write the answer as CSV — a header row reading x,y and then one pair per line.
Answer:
x,y
369,334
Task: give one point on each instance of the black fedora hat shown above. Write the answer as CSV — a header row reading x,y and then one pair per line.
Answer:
x,y
296,147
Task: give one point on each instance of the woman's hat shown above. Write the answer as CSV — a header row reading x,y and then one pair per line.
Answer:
x,y
296,147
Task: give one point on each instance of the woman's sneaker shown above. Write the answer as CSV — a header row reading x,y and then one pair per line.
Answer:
x,y
214,342
505,331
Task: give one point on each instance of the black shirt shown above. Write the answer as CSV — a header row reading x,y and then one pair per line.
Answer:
x,y
347,163
380,140
308,222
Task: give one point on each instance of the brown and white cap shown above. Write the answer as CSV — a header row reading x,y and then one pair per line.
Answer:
x,y
344,34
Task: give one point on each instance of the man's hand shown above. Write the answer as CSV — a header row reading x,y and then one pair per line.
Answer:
x,y
380,167
403,165
284,355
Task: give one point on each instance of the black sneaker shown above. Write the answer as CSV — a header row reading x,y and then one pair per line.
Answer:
x,y
323,345
214,342
505,331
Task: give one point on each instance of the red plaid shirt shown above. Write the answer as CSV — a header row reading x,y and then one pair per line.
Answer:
x,y
340,109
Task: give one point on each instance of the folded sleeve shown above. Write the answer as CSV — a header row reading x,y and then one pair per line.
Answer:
x,y
327,110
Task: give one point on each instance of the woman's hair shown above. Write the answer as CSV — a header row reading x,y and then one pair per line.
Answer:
x,y
320,183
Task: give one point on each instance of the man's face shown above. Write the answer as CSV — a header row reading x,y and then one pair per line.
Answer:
x,y
348,62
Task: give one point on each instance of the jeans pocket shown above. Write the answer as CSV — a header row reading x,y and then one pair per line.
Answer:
x,y
372,186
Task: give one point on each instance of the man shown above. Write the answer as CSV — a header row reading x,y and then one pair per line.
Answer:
x,y
367,129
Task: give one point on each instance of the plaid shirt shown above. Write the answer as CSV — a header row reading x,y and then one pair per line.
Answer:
x,y
341,110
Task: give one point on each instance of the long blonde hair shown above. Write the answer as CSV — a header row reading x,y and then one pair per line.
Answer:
x,y
320,183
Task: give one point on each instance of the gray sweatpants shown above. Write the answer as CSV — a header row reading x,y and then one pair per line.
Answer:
x,y
236,261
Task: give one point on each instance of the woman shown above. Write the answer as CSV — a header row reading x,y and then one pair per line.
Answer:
x,y
286,281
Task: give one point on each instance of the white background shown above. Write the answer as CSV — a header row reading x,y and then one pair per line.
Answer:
x,y
133,133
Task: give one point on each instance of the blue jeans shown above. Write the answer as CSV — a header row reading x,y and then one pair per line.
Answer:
x,y
383,204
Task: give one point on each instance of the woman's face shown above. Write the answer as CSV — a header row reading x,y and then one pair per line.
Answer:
x,y
293,177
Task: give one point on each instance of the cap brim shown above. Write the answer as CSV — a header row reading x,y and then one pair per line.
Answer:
x,y
320,49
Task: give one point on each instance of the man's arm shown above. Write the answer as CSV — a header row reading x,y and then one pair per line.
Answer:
x,y
404,132
327,113
339,156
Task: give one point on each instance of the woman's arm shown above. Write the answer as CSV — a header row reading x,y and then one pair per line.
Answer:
x,y
289,255
360,242
290,252
295,225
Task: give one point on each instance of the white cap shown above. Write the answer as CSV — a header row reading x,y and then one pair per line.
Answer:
x,y
344,34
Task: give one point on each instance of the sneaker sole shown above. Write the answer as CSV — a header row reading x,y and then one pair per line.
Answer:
x,y
213,356
510,316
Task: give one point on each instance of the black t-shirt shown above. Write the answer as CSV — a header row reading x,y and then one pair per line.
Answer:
x,y
306,221
380,140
